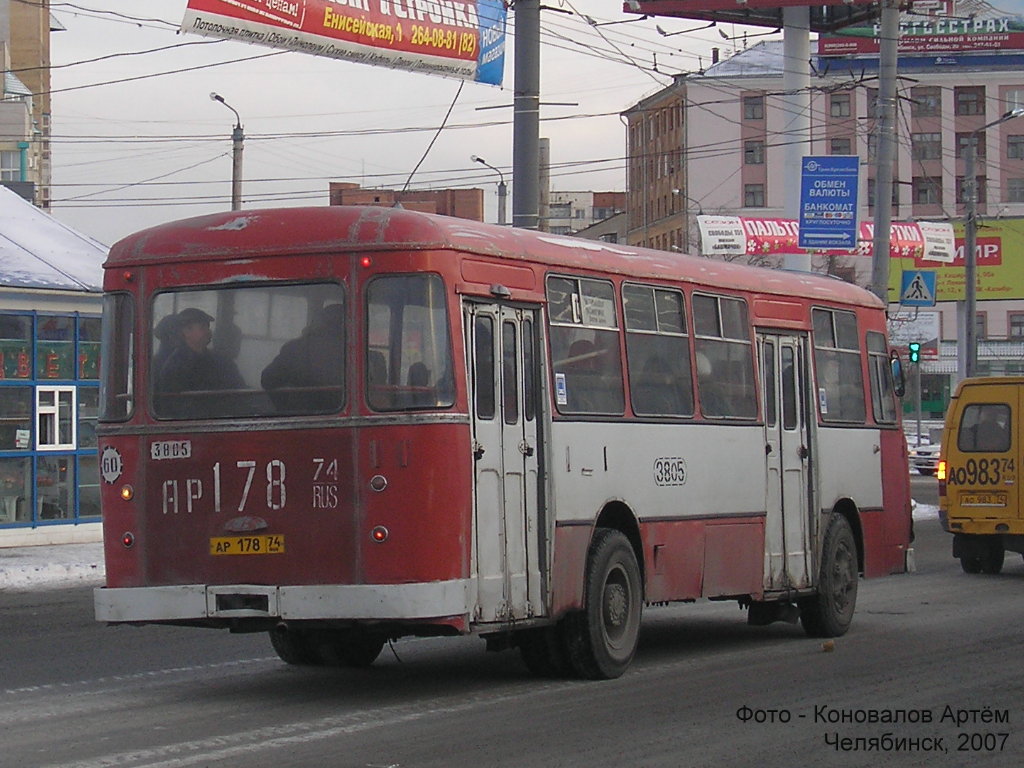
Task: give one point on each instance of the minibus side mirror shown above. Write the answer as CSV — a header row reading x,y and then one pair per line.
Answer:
x,y
899,381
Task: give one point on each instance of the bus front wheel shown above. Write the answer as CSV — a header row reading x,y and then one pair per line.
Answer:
x,y
830,612
602,638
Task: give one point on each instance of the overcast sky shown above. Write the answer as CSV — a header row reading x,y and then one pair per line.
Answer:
x,y
139,152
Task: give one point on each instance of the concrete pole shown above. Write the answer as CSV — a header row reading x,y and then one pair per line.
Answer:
x,y
526,117
237,139
796,110
886,147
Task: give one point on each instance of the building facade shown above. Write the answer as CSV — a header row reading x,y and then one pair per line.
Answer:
x,y
25,163
461,203
715,143
50,311
571,212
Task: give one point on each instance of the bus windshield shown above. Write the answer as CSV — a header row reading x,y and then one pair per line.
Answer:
x,y
250,351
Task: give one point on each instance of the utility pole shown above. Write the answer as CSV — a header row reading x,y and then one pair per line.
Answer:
x,y
237,139
886,121
526,117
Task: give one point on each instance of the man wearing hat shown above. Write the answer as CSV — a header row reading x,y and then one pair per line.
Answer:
x,y
191,366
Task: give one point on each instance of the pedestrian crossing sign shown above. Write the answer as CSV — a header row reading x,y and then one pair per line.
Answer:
x,y
918,288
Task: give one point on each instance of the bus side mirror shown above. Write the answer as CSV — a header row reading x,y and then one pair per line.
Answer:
x,y
899,381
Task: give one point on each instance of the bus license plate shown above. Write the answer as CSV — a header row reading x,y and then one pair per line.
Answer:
x,y
247,545
983,499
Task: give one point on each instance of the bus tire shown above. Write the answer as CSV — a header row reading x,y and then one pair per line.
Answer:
x,y
602,638
980,554
830,612
992,555
543,651
294,646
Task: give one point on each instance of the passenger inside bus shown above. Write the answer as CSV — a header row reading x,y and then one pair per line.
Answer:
x,y
308,374
190,366
990,433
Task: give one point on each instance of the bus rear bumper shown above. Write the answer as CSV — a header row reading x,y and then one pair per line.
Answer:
x,y
200,602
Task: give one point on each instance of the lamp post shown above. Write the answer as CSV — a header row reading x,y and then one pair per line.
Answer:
x,y
502,189
685,229
967,347
237,137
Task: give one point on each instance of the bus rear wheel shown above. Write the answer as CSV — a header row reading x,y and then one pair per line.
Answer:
x,y
981,554
830,612
602,638
351,648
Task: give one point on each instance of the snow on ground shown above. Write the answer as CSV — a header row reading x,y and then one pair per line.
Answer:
x,y
56,565
44,567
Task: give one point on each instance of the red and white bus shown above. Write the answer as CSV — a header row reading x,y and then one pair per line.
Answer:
x,y
407,424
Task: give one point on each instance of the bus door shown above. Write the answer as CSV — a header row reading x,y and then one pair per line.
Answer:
x,y
509,544
788,530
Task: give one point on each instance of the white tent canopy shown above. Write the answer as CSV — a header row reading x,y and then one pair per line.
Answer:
x,y
37,251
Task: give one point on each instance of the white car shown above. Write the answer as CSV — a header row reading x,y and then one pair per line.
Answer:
x,y
925,457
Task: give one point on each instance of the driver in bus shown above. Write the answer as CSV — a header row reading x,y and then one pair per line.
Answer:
x,y
191,366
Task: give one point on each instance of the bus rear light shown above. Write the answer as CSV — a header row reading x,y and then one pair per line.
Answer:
x,y
378,483
940,475
379,534
127,492
128,539
365,261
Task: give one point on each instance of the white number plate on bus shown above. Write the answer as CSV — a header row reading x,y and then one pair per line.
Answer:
x,y
991,499
170,449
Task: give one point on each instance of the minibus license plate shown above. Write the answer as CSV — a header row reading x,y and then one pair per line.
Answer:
x,y
983,499
247,545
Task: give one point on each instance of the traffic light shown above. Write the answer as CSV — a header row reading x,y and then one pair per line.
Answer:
x,y
915,351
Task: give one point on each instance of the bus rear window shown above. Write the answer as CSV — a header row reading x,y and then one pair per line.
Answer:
x,y
984,427
408,351
255,351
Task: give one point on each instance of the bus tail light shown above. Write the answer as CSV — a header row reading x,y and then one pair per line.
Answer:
x,y
940,475
379,534
128,539
127,492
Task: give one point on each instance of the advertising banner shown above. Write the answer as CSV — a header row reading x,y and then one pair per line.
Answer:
x,y
456,38
928,243
935,27
999,268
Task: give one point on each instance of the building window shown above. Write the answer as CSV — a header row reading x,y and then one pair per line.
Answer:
x,y
753,107
969,100
895,193
979,190
1014,191
841,146
925,101
926,146
839,105
981,326
963,140
872,147
872,99
927,190
753,196
56,420
753,152
1013,99
1015,147
10,165
1015,325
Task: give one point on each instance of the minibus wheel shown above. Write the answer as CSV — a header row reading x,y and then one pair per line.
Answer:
x,y
830,612
601,639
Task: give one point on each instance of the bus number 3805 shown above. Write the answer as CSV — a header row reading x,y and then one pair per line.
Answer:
x,y
670,471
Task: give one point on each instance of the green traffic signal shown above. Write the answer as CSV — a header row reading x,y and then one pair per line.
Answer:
x,y
915,351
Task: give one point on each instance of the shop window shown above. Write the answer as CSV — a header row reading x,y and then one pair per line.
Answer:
x,y
55,347
89,348
15,346
88,487
15,418
55,485
15,490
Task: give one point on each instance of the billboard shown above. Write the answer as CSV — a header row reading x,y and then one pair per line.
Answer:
x,y
457,38
927,242
936,27
1000,268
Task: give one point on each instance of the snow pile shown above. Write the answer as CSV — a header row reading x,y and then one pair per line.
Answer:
x,y
51,566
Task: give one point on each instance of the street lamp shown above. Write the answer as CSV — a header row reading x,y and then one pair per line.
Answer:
x,y
685,229
502,189
237,137
967,347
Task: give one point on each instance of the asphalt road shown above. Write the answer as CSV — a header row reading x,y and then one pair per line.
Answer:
x,y
938,650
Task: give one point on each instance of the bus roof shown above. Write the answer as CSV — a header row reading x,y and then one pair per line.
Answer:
x,y
339,229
